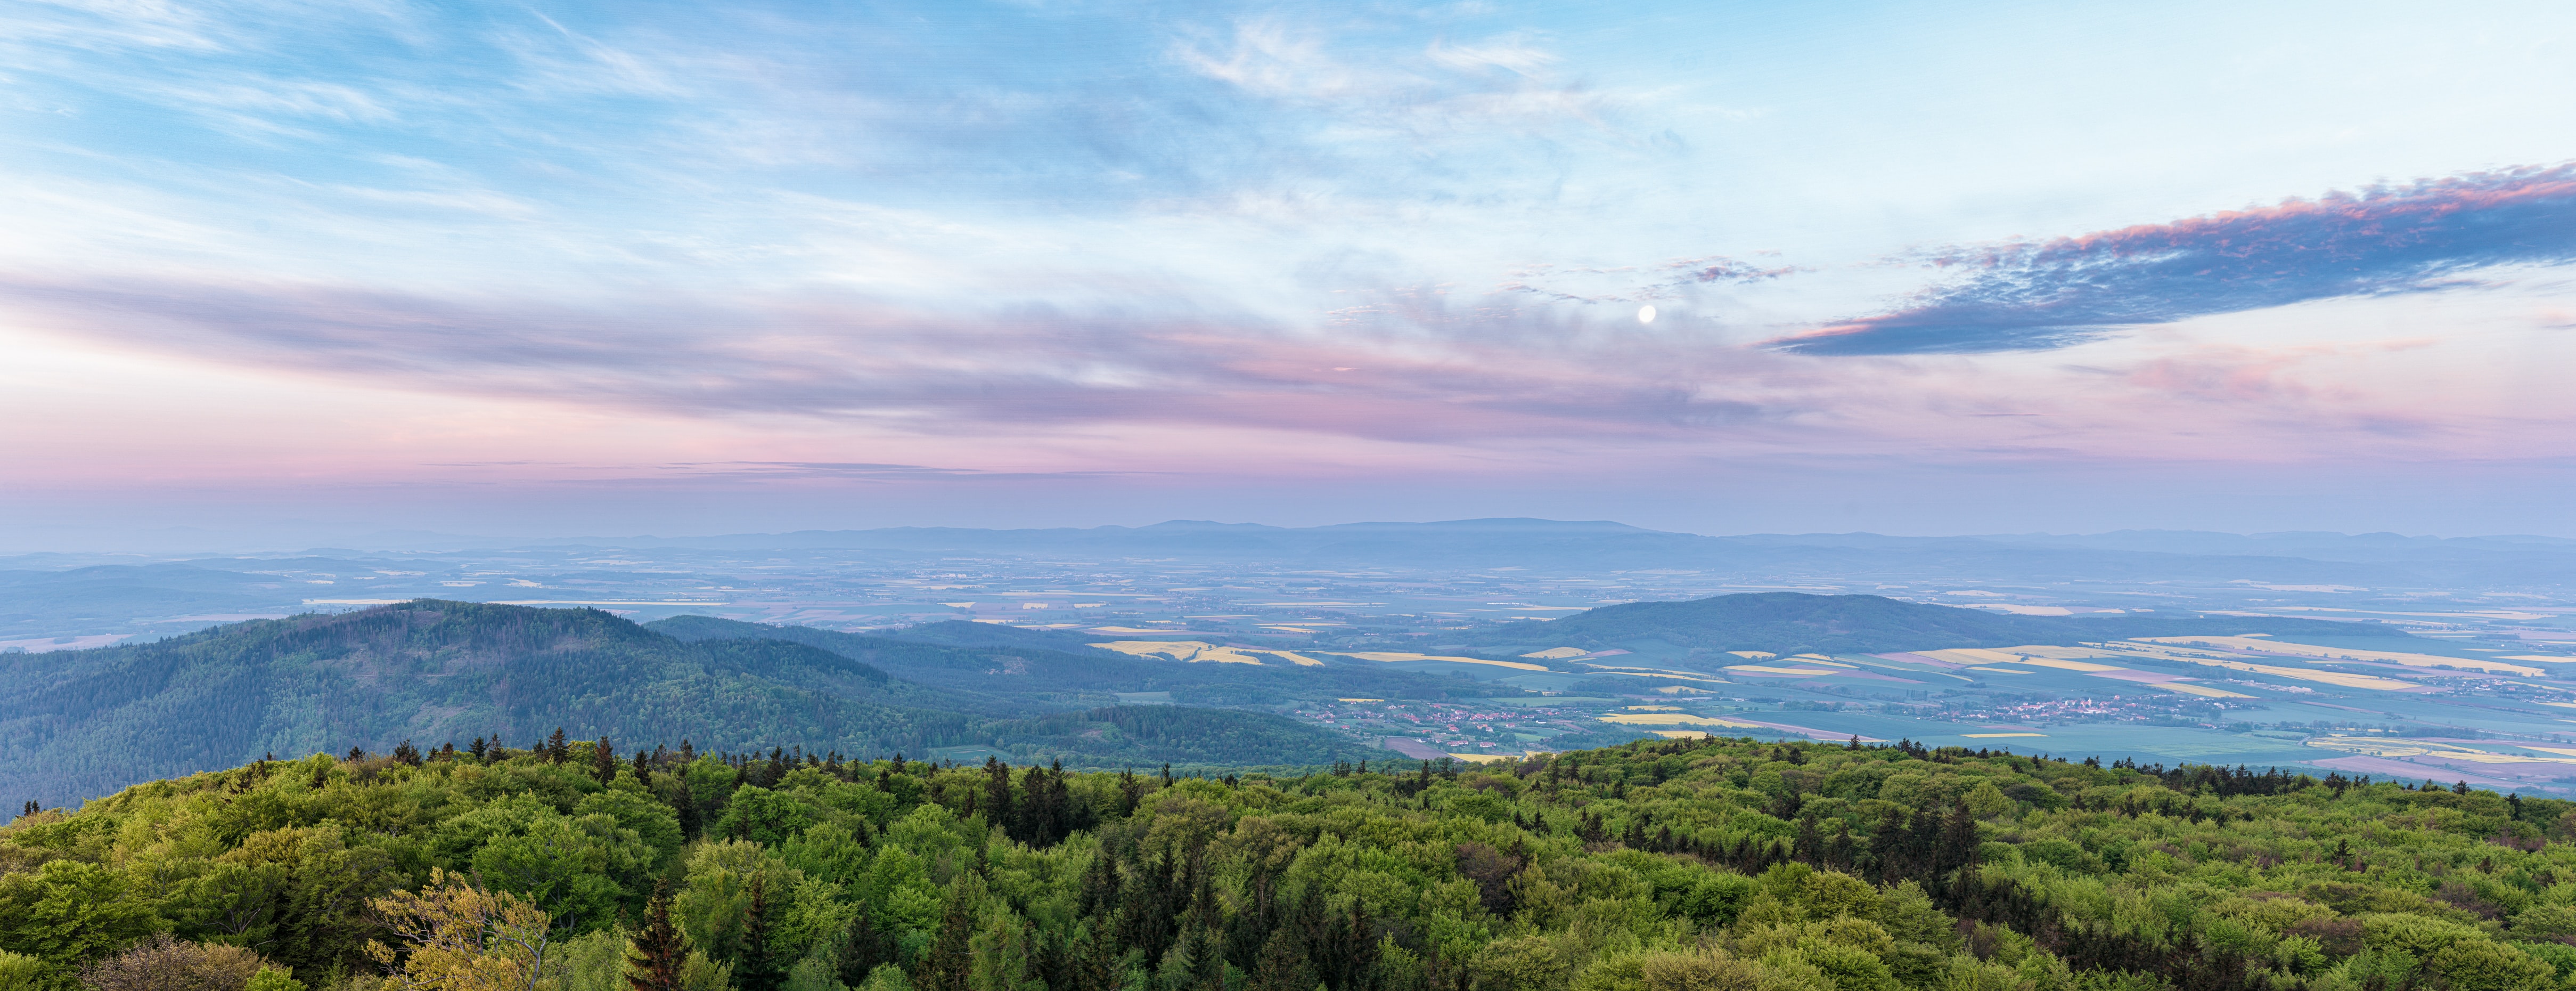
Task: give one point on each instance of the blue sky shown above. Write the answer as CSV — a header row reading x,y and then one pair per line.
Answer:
x,y
697,268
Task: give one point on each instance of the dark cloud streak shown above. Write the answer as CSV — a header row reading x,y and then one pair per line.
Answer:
x,y
2380,241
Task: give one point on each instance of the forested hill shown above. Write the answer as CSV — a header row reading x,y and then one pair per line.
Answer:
x,y
75,724
1657,866
1795,622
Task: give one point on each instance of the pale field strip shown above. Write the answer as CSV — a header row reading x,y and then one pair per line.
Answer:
x,y
2061,658
1197,652
2399,748
1668,675
1926,666
1673,719
1784,672
2266,645
1557,653
2474,614
2203,691
1391,657
1638,672
2006,655
2339,679
1753,655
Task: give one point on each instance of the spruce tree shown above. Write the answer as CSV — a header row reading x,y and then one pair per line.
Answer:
x,y
951,958
656,952
557,751
687,807
997,798
603,761
1283,964
862,948
1094,962
755,968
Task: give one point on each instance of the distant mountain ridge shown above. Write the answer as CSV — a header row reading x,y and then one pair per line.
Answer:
x,y
2366,559
1795,622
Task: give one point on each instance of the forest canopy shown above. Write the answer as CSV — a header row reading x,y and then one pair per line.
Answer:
x,y
1656,866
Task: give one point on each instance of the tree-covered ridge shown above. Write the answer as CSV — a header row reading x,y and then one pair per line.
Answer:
x,y
87,722
1796,622
82,723
1660,865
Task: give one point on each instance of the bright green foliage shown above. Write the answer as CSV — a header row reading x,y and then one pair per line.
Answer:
x,y
70,912
273,979
1658,866
595,961
20,972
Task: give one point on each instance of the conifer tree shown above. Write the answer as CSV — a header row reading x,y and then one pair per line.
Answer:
x,y
687,808
997,796
1958,842
756,968
951,957
862,948
1283,965
603,761
1099,894
1093,963
557,751
656,952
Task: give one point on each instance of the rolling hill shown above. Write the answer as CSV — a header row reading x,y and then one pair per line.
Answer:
x,y
1794,622
77,723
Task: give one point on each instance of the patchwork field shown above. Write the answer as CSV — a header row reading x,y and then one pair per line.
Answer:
x,y
1195,652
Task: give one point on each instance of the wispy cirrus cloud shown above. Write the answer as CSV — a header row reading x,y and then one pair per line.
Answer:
x,y
1411,371
2379,241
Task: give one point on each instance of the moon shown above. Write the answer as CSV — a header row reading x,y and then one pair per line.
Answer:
x,y
1645,314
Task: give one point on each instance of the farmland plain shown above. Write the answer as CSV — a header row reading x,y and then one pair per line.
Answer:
x,y
2481,687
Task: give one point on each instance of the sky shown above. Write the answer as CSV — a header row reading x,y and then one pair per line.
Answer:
x,y
276,271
